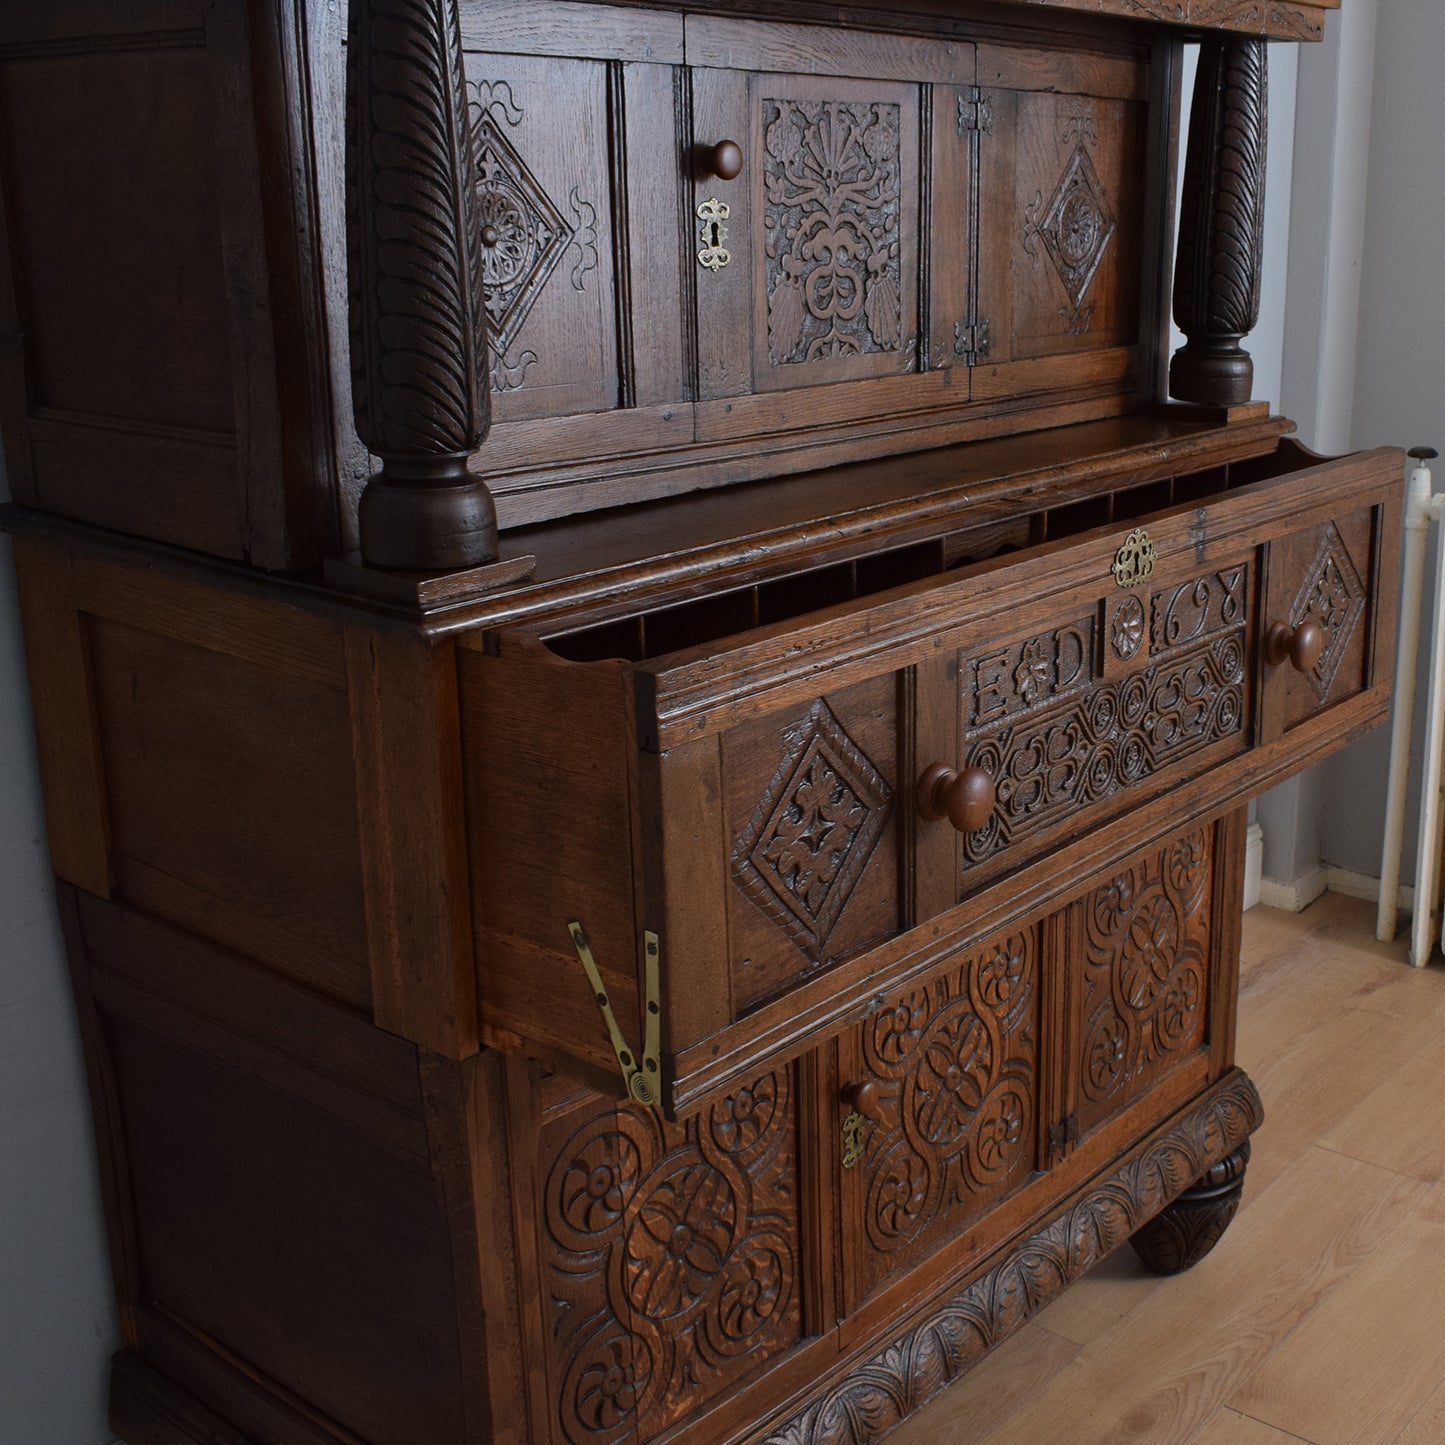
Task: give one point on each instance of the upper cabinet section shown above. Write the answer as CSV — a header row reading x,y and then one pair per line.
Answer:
x,y
748,248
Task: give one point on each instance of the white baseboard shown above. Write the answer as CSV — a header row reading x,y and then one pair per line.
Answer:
x,y
1295,895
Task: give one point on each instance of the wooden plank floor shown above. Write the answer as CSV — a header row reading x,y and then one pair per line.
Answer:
x,y
1321,1315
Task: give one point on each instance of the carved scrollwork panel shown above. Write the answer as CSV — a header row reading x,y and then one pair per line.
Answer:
x,y
1335,596
671,1257
951,1068
1145,974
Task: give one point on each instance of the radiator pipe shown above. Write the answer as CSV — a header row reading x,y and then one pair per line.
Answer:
x,y
1419,509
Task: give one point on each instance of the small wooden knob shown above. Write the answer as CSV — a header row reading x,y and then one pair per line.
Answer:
x,y
863,1098
490,236
965,797
1301,646
724,160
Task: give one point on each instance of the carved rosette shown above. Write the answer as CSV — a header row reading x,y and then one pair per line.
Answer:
x,y
1221,223
418,340
875,1394
672,1258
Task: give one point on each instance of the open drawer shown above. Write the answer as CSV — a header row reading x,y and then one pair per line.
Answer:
x,y
769,816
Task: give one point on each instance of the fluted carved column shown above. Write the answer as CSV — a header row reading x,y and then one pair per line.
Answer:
x,y
1221,223
418,326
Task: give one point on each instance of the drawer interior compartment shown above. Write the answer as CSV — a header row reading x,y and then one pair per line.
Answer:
x,y
731,798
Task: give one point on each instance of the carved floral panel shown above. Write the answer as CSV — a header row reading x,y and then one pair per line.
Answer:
x,y
1333,594
832,183
953,1068
1145,974
671,1258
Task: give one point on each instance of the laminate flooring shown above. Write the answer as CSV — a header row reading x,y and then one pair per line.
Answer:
x,y
1320,1317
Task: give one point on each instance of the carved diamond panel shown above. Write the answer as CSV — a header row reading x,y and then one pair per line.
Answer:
x,y
814,830
671,1256
1075,226
831,182
1334,595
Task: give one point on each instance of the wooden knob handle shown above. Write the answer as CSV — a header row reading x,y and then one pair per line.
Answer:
x,y
724,160
1301,646
863,1099
966,797
490,236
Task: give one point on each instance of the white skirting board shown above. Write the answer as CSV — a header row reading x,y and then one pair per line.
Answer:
x,y
1297,895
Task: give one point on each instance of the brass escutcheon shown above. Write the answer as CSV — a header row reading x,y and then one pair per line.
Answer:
x,y
855,1133
1134,561
713,213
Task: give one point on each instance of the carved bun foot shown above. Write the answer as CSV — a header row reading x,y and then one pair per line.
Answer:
x,y
1178,1237
1212,373
427,525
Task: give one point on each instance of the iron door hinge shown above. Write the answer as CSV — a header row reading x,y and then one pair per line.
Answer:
x,y
1063,1135
975,113
971,342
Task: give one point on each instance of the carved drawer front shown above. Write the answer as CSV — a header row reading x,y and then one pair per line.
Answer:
x,y
668,1257
1067,181
1147,942
1323,597
1073,723
940,1103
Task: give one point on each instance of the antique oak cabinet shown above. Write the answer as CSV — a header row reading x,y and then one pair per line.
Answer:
x,y
645,701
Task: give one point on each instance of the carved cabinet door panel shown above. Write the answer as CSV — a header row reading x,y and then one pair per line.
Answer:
x,y
1151,977
809,251
547,187
941,1103
1323,576
1065,190
668,1256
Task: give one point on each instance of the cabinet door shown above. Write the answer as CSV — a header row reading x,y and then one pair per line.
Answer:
x,y
668,1257
945,1079
809,257
1065,192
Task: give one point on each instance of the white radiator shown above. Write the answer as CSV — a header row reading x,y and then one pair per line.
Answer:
x,y
1421,508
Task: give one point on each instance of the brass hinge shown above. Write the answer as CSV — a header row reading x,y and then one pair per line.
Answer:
x,y
971,342
644,1080
975,112
1064,1134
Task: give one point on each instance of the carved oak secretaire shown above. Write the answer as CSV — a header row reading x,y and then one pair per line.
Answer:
x,y
645,707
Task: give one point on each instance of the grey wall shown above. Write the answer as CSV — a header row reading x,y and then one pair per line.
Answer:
x,y
57,1326
1364,356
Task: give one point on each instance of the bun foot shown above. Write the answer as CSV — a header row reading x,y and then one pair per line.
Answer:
x,y
1178,1237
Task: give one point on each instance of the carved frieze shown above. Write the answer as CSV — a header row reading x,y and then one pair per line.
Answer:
x,y
952,1068
831,183
671,1258
813,831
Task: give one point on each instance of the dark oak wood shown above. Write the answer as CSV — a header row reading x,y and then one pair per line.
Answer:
x,y
845,718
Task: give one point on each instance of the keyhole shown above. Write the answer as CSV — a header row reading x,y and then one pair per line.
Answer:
x,y
716,236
